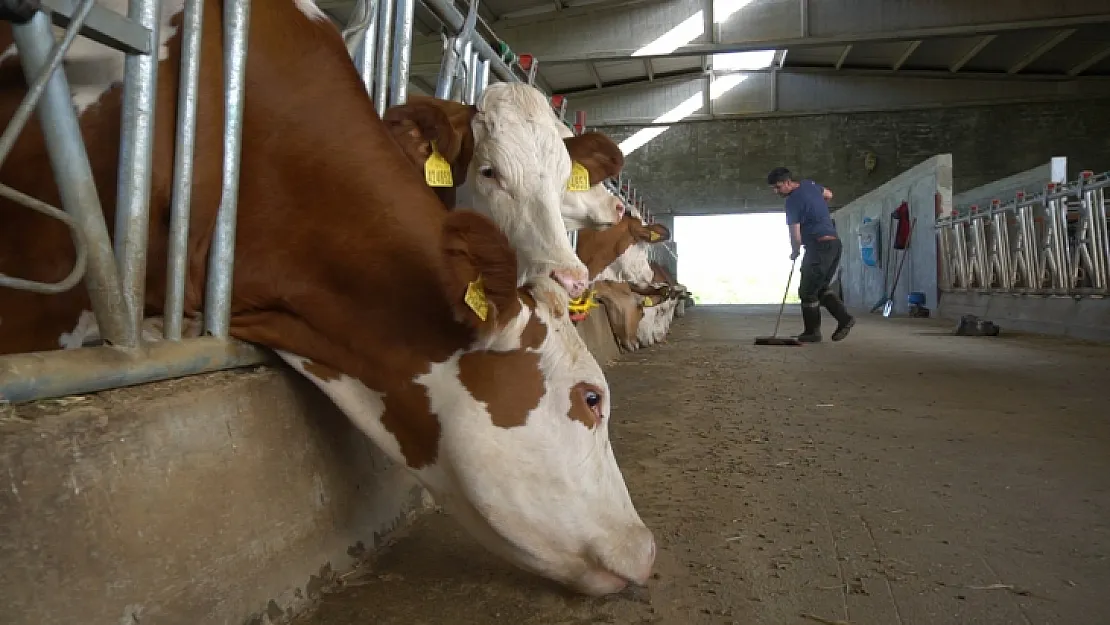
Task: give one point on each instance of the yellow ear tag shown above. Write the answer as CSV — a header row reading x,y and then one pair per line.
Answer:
x,y
437,171
579,177
655,236
476,298
647,302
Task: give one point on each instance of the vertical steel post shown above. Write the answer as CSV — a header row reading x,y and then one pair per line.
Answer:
x,y
483,75
217,301
402,53
385,31
177,262
459,92
472,61
72,173
140,87
367,54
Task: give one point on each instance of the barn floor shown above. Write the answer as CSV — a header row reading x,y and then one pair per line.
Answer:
x,y
904,476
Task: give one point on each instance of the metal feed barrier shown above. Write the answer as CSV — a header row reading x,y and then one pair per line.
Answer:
x,y
1053,243
379,37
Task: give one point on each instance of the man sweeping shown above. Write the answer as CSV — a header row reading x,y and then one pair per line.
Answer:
x,y
809,223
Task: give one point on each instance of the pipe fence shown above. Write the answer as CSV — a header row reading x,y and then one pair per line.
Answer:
x,y
379,37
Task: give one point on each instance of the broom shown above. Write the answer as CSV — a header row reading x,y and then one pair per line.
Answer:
x,y
774,339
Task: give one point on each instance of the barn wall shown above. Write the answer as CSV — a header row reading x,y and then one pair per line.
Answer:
x,y
863,285
721,166
225,498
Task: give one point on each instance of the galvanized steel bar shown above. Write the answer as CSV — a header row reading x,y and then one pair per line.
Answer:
x,y
472,61
177,266
102,25
385,31
37,86
73,175
80,262
140,84
60,373
221,257
445,10
402,52
366,57
460,92
483,75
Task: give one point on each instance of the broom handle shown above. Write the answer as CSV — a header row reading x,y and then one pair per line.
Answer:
x,y
789,278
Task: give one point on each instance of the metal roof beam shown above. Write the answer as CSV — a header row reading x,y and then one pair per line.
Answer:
x,y
972,53
910,49
1090,62
831,40
1041,50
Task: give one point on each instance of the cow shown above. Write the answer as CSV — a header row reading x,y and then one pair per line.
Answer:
x,y
412,319
623,311
424,126
625,243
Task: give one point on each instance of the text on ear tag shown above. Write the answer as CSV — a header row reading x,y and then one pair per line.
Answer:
x,y
579,177
475,298
437,171
655,236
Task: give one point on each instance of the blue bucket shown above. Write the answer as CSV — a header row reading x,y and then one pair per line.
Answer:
x,y
916,298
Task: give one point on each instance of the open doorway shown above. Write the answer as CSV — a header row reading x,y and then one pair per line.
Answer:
x,y
735,259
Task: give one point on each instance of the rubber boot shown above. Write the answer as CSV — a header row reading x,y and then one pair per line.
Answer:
x,y
811,317
844,321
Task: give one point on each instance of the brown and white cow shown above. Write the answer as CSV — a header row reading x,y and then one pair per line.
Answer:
x,y
423,122
347,265
619,253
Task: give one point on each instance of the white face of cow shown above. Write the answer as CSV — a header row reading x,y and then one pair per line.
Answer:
x,y
591,209
594,208
518,177
522,458
631,266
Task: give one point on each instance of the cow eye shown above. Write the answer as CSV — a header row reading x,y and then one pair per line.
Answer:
x,y
593,399
486,171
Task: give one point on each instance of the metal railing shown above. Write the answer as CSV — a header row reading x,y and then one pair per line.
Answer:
x,y
379,38
1053,243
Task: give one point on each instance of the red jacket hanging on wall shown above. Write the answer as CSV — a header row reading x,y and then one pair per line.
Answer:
x,y
902,230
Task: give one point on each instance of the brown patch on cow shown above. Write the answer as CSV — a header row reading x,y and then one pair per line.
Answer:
x,y
323,372
597,153
510,383
423,119
535,331
580,411
408,417
473,247
597,249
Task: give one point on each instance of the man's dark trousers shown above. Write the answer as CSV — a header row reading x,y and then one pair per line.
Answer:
x,y
818,268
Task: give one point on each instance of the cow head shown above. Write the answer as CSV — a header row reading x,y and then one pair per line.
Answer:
x,y
620,253
510,433
525,459
595,207
507,162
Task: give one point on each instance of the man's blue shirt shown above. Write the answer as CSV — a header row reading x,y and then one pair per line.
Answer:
x,y
806,206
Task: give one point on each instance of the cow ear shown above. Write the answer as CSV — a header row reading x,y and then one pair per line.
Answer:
x,y
597,153
480,271
423,121
658,233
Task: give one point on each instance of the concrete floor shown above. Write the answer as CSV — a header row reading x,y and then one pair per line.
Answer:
x,y
904,476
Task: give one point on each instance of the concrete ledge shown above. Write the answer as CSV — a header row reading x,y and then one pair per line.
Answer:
x,y
222,498
1084,318
596,331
